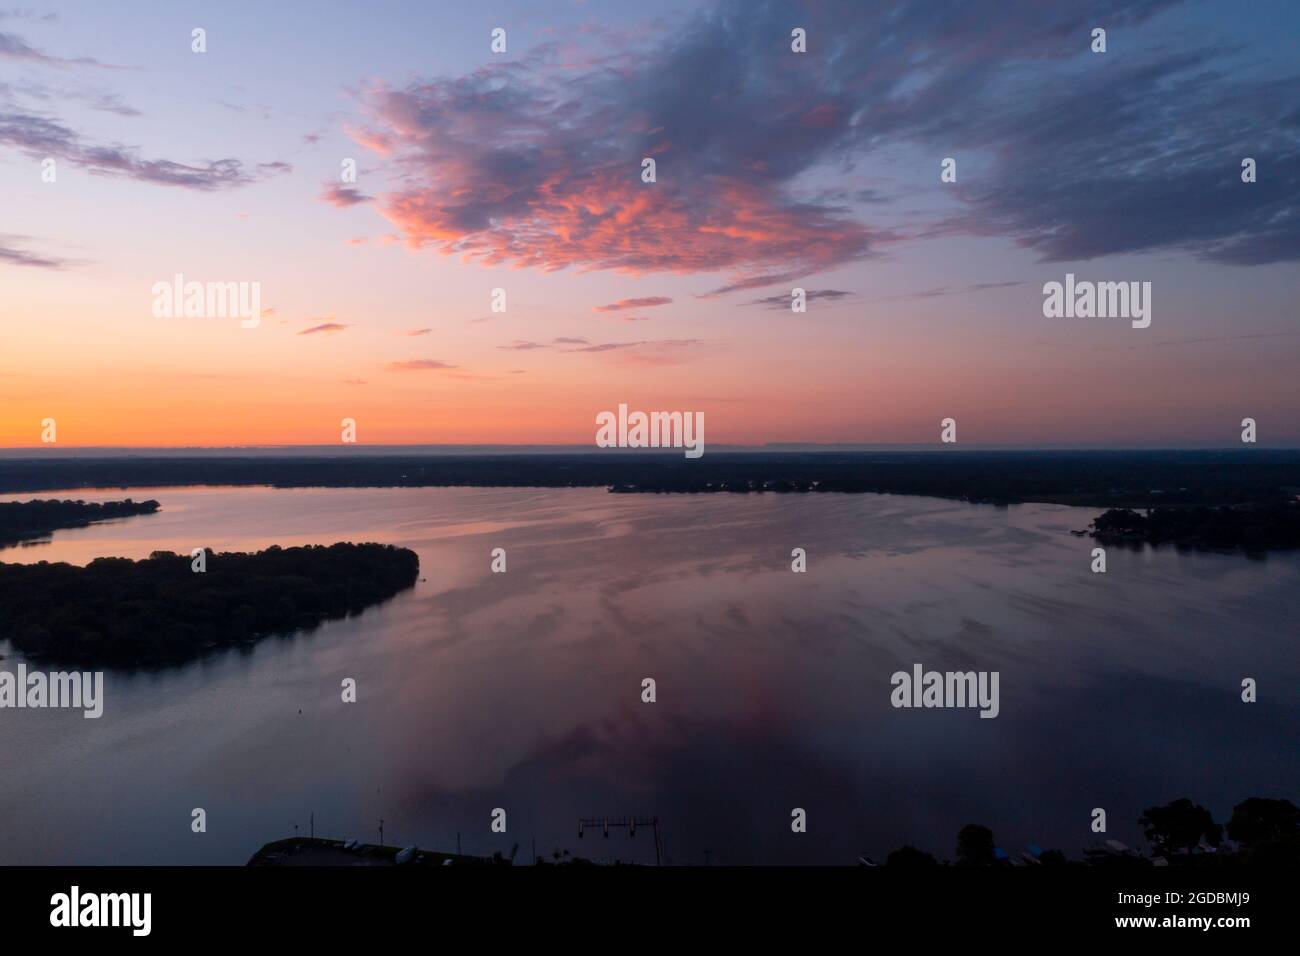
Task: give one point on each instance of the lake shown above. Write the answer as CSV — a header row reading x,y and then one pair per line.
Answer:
x,y
523,690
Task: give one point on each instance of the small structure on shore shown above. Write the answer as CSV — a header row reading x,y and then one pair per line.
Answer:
x,y
314,851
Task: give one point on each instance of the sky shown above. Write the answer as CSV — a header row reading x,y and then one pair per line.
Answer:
x,y
521,170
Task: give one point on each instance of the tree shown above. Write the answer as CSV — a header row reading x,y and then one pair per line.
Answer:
x,y
1179,826
975,845
1260,819
910,858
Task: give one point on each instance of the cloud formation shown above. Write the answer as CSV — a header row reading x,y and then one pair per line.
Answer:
x,y
529,164
536,162
420,365
324,327
337,194
1144,155
14,47
11,252
40,137
646,352
643,303
811,295
948,290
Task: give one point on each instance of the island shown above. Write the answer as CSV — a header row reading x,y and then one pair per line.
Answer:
x,y
25,520
116,612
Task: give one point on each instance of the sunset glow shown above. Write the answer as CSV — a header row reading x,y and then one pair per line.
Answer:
x,y
522,171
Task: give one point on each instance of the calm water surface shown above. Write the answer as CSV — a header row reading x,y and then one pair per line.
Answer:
x,y
523,690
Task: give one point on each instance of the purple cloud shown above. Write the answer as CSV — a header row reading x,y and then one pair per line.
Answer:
x,y
337,194
13,255
324,327
40,137
537,163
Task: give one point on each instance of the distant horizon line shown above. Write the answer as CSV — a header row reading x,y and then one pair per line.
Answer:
x,y
501,448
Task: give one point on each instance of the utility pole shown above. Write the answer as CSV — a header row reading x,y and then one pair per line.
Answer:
x,y
381,831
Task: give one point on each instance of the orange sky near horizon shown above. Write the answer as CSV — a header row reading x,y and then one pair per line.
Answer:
x,y
925,296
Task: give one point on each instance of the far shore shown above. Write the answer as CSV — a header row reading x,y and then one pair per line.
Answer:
x,y
1231,500
1100,479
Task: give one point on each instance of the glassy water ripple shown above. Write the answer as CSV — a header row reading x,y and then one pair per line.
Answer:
x,y
523,690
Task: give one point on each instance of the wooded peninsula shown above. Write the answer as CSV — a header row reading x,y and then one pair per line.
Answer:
x,y
115,612
27,520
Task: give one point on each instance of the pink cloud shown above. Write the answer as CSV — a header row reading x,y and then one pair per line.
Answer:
x,y
643,303
538,167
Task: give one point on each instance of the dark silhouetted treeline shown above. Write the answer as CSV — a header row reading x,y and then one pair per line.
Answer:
x,y
116,612
1255,527
1261,831
24,520
1120,479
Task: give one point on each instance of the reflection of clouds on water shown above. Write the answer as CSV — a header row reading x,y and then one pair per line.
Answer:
x,y
522,689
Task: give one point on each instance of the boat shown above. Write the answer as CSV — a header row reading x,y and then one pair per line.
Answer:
x,y
406,854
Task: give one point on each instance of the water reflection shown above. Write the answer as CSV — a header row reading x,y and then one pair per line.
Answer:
x,y
522,690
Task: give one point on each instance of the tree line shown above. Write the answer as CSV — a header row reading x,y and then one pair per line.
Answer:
x,y
25,520
117,612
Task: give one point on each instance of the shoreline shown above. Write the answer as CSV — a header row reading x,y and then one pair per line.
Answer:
x,y
1145,479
